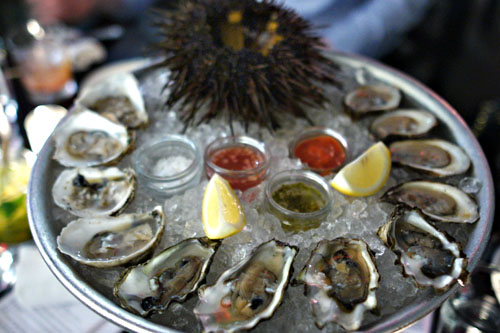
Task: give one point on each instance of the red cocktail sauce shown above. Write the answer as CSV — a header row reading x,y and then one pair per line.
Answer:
x,y
322,153
239,158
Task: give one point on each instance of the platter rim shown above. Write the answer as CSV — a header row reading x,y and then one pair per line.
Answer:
x,y
36,206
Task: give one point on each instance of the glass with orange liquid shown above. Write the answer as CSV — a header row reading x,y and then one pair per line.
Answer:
x,y
44,67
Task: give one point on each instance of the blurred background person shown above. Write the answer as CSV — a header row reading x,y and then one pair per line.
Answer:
x,y
369,27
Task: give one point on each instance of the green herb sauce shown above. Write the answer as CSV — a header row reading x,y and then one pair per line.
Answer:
x,y
299,197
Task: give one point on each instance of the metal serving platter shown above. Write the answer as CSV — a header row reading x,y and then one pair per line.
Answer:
x,y
40,212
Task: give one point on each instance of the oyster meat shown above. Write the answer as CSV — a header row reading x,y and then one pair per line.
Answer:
x,y
403,123
430,256
437,157
248,292
112,241
439,201
90,192
371,98
340,281
169,276
87,139
117,98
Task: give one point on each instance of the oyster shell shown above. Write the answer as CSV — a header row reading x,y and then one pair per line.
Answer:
x,y
437,157
117,98
430,256
340,281
439,201
87,139
403,123
170,275
370,98
112,241
248,292
90,192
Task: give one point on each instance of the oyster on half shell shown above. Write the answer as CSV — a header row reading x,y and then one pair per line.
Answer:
x,y
169,276
430,256
94,192
117,98
369,98
248,292
340,281
112,241
403,123
87,139
437,157
439,201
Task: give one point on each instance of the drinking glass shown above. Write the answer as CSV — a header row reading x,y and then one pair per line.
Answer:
x,y
14,228
475,307
14,178
44,65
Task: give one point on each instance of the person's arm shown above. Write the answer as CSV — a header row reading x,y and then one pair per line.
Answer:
x,y
378,26
369,27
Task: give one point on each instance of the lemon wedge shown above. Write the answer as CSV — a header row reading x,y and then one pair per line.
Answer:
x,y
221,211
365,175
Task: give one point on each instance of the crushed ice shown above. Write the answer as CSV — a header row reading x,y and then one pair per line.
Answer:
x,y
349,217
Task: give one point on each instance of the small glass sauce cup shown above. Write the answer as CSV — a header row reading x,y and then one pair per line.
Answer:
x,y
184,171
242,177
312,133
295,221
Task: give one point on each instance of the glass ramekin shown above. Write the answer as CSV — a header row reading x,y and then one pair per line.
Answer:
x,y
294,221
239,179
173,145
312,132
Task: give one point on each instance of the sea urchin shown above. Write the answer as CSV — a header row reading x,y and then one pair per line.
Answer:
x,y
246,59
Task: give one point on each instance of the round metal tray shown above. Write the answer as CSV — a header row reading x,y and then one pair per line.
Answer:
x,y
45,233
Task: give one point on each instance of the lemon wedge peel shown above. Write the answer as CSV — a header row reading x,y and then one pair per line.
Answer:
x,y
222,215
367,174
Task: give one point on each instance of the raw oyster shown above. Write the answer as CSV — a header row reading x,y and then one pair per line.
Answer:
x,y
248,292
341,278
94,192
403,122
372,98
437,157
430,256
117,98
439,201
112,241
169,276
87,139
